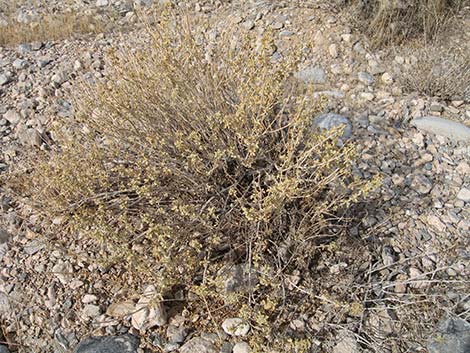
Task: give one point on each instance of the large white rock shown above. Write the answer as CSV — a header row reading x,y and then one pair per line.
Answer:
x,y
443,127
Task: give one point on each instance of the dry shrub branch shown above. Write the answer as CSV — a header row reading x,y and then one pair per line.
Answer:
x,y
49,27
392,21
439,72
196,156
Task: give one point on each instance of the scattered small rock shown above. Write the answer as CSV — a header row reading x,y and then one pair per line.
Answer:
x,y
176,334
418,279
63,271
241,347
236,327
387,78
346,343
198,345
464,195
5,306
33,247
20,64
421,184
91,311
5,78
333,50
121,309
366,78
238,278
89,298
102,3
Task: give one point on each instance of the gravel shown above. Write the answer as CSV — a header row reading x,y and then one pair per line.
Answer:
x,y
417,214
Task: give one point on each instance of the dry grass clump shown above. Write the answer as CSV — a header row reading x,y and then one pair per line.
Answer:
x,y
195,157
392,21
49,27
439,72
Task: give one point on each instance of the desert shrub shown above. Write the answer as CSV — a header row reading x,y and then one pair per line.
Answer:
x,y
439,72
194,156
392,21
49,27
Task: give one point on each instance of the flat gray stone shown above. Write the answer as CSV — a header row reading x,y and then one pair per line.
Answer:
x,y
331,120
453,335
109,344
312,74
443,127
4,349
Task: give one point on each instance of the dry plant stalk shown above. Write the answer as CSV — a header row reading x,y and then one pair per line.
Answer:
x,y
439,72
392,21
194,153
49,27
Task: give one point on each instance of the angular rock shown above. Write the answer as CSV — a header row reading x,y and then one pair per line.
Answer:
x,y
198,345
464,195
13,117
91,311
149,312
331,120
5,78
5,306
346,343
33,247
4,238
421,184
109,344
387,78
453,335
312,74
143,2
241,347
102,3
236,326
366,78
380,322
20,64
176,334
121,309
63,271
443,127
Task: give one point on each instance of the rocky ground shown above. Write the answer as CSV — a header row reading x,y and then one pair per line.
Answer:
x,y
412,243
